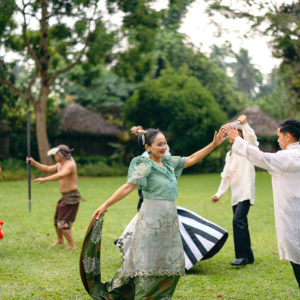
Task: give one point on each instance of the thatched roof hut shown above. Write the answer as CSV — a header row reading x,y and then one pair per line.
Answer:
x,y
76,118
86,132
263,124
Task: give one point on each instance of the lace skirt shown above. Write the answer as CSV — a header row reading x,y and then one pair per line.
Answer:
x,y
151,244
201,238
119,288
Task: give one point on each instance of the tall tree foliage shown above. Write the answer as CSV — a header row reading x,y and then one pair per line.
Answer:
x,y
246,75
279,20
178,104
99,89
66,32
165,46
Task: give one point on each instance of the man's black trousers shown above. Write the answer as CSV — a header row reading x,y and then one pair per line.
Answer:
x,y
296,269
241,234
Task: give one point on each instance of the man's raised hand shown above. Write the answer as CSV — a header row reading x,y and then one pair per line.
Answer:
x,y
242,119
230,131
136,130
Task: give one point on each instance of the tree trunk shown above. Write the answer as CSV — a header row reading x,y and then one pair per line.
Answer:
x,y
41,127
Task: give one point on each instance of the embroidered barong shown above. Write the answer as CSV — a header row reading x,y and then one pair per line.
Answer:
x,y
239,173
284,166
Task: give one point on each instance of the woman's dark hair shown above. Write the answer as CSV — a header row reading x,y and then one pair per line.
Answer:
x,y
290,126
149,137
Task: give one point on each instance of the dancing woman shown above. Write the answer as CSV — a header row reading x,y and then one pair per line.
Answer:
x,y
201,238
152,255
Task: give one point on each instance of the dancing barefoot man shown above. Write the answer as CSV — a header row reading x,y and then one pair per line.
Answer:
x,y
66,210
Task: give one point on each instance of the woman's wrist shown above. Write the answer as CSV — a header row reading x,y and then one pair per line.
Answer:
x,y
213,144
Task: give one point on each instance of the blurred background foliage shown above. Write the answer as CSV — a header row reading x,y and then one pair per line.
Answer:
x,y
159,79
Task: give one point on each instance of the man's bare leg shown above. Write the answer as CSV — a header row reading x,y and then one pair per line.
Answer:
x,y
60,239
68,235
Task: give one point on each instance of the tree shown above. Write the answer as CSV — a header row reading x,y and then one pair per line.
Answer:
x,y
275,97
280,21
162,46
247,77
68,31
98,89
178,104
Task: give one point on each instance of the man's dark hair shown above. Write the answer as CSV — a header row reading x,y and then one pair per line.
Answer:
x,y
290,126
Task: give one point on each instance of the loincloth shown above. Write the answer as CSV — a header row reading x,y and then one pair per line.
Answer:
x,y
72,197
66,209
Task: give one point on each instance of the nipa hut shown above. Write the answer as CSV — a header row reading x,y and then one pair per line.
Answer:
x,y
86,131
264,126
4,140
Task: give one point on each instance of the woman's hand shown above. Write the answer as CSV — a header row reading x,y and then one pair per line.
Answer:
x,y
100,211
219,137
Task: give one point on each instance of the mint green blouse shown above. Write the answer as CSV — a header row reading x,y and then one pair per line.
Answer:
x,y
157,183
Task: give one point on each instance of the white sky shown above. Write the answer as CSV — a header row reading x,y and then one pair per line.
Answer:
x,y
196,26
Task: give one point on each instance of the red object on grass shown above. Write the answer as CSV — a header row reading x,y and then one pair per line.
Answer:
x,y
1,235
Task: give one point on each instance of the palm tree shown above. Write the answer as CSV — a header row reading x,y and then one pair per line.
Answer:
x,y
246,75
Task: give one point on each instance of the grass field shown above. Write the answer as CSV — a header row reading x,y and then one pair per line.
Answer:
x,y
30,269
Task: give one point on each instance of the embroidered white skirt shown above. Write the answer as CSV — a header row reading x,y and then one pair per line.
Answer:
x,y
151,244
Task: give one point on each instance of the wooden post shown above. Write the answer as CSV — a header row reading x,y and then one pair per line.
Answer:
x,y
29,164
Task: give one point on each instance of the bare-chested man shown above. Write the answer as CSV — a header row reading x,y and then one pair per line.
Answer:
x,y
67,206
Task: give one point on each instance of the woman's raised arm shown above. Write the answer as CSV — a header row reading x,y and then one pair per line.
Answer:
x,y
121,193
196,157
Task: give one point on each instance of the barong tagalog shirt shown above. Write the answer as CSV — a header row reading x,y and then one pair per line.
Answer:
x,y
284,166
239,173
152,245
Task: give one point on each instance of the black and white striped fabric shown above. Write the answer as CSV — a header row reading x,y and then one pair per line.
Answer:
x,y
201,238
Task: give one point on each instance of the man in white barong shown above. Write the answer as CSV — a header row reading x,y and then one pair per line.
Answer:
x,y
239,174
284,166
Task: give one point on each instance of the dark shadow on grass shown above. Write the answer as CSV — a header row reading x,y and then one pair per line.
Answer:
x,y
194,272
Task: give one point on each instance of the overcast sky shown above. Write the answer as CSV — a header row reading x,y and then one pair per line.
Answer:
x,y
196,26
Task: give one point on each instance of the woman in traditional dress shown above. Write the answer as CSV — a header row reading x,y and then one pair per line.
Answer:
x,y
201,238
152,255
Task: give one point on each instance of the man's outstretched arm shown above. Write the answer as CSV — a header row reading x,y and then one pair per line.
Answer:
x,y
59,175
43,168
273,162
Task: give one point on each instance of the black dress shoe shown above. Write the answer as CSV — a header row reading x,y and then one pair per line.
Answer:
x,y
240,262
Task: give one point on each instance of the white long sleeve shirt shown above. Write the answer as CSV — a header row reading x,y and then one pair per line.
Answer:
x,y
239,173
284,166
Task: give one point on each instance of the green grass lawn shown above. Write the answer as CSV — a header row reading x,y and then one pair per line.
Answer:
x,y
30,269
